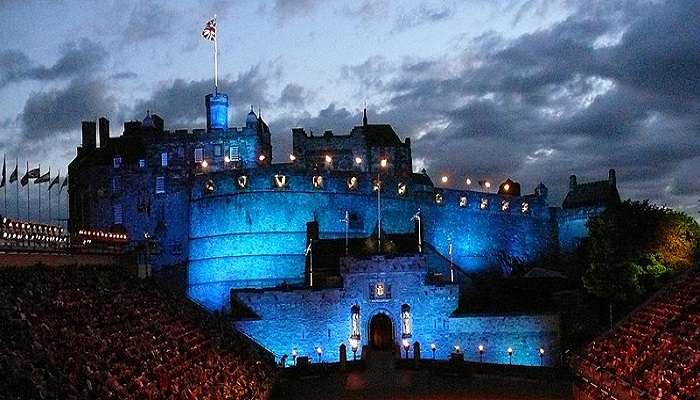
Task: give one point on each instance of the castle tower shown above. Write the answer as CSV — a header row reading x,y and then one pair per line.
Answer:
x,y
217,111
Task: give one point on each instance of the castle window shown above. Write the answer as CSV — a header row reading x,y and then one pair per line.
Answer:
x,y
525,207
353,183
198,155
142,163
117,162
233,153
160,184
462,201
242,181
355,322
317,181
405,321
217,150
116,184
484,203
505,205
117,214
279,181
402,189
209,186
438,198
164,159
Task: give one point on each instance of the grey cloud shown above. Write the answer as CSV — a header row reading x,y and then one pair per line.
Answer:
x,y
370,74
81,58
148,20
421,15
293,8
125,75
293,95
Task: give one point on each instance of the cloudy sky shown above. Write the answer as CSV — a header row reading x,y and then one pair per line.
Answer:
x,y
530,89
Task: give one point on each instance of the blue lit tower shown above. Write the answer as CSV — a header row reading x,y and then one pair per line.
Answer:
x,y
217,111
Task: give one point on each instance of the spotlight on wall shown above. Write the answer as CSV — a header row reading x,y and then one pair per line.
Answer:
x,y
506,187
469,181
329,159
227,159
205,164
292,157
487,184
405,344
358,160
444,179
383,162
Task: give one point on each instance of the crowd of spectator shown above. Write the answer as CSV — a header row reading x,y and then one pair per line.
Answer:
x,y
654,353
98,332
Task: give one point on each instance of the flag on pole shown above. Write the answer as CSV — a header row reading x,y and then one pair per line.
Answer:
x,y
2,183
55,180
209,32
31,174
13,175
43,178
64,184
308,248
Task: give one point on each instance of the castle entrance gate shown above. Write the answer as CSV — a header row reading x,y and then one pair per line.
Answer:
x,y
381,332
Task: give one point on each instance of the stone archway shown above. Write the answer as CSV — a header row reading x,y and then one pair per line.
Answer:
x,y
381,332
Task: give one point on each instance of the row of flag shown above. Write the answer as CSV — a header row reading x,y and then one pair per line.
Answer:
x,y
34,174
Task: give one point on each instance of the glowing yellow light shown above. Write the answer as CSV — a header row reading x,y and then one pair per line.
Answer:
x,y
481,348
261,157
469,181
383,162
506,187
292,157
432,346
227,159
487,184
205,164
329,159
358,160
510,350
444,179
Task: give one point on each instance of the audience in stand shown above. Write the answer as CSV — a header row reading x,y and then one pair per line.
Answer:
x,y
97,332
654,353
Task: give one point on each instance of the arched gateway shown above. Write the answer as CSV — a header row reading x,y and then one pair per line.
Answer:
x,y
381,332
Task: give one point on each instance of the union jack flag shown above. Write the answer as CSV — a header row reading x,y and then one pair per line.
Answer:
x,y
209,32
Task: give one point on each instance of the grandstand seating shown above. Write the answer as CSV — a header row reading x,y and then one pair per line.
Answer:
x,y
97,332
654,353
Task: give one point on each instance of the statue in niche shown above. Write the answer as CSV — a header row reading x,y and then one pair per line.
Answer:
x,y
356,324
406,321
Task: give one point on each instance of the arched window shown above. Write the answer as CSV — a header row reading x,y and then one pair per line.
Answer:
x,y
405,321
355,322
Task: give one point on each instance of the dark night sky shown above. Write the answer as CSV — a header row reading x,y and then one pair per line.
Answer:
x,y
530,89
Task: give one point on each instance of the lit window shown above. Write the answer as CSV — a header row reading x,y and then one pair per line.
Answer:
x,y
280,181
209,186
438,198
117,161
160,184
405,321
505,205
462,201
142,163
379,291
317,180
402,189
233,153
117,214
353,183
484,203
525,207
116,184
217,150
198,155
164,159
242,181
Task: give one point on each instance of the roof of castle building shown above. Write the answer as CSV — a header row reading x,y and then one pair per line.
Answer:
x,y
379,134
592,194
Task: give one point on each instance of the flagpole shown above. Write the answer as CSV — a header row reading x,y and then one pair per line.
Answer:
x,y
17,186
49,195
39,193
27,191
216,60
4,181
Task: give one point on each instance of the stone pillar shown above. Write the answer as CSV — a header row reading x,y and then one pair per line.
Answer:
x,y
343,356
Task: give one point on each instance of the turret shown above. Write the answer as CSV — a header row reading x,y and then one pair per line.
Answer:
x,y
217,111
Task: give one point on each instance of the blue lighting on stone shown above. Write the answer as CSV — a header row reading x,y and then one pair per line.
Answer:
x,y
217,111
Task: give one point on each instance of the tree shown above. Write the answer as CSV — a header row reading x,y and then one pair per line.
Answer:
x,y
633,245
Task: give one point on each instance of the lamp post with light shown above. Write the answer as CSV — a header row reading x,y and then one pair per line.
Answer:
x,y
541,356
294,356
481,353
354,343
319,351
433,348
449,250
405,346
510,356
382,164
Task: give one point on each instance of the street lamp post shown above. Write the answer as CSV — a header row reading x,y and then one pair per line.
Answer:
x,y
405,346
510,356
319,351
294,356
541,357
432,348
481,353
353,345
452,270
382,164
310,254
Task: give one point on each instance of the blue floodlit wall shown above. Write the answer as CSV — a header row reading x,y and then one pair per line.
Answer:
x,y
303,320
255,237
572,226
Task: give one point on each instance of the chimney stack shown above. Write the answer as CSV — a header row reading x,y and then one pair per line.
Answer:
x,y
104,132
89,135
612,179
572,182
